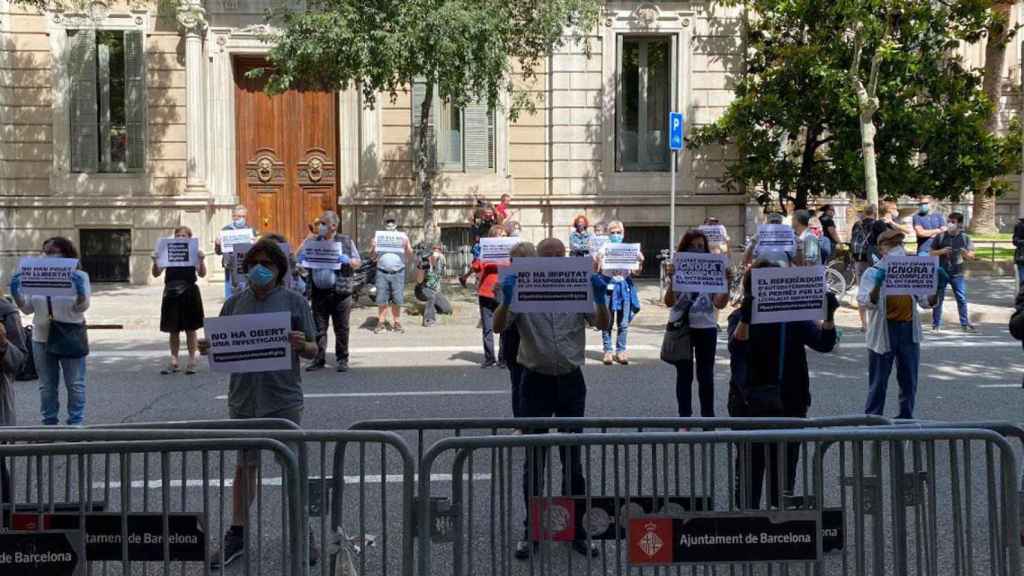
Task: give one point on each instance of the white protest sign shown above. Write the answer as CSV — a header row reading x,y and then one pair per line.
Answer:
x,y
321,255
596,243
239,278
250,342
911,275
44,276
714,233
390,241
775,238
621,258
229,238
496,250
177,252
788,294
699,272
553,285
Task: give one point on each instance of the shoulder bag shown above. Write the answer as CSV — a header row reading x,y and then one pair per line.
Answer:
x,y
66,339
675,345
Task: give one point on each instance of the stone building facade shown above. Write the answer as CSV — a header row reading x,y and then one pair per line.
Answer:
x,y
119,121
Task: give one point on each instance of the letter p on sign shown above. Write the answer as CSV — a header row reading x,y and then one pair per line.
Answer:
x,y
675,130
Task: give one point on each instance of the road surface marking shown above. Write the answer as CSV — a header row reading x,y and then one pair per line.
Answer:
x,y
386,394
998,385
354,351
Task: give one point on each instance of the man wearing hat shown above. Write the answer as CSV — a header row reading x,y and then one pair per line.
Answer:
x,y
893,331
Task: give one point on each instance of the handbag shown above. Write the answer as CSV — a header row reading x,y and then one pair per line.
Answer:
x,y
66,339
676,346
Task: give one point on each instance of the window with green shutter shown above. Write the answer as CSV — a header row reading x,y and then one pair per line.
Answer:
x,y
461,139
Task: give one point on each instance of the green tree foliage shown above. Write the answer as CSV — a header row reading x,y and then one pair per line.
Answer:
x,y
796,119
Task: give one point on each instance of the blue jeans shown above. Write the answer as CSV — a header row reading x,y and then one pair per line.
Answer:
x,y
959,292
621,319
227,285
50,368
1020,274
907,355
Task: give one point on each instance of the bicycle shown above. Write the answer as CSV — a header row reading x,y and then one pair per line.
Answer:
x,y
841,271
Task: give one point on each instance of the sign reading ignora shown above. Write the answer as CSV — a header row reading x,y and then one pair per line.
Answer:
x,y
250,342
699,272
911,275
553,285
41,554
788,294
229,238
321,255
495,250
43,276
775,238
390,241
621,258
715,233
177,252
185,535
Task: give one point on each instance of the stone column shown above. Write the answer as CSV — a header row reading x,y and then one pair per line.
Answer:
x,y
192,20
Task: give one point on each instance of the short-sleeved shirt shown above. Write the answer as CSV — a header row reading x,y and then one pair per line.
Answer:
x,y
899,308
551,344
434,274
390,262
931,221
703,313
953,263
257,394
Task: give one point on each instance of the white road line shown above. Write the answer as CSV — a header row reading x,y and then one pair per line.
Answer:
x,y
998,385
354,351
410,393
278,481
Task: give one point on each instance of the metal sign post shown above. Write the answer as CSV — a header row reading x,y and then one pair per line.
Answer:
x,y
675,144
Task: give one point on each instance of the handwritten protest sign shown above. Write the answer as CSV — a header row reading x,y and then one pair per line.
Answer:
x,y
177,252
714,233
911,275
321,255
553,285
788,294
596,243
249,342
495,250
621,257
699,272
775,238
390,241
229,238
44,276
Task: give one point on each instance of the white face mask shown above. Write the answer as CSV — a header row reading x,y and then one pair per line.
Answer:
x,y
952,227
897,251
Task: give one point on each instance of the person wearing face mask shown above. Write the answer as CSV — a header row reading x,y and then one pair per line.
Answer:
x,y
390,280
238,222
513,229
703,318
430,276
66,309
893,331
579,238
623,301
181,309
927,224
953,247
276,394
487,274
331,295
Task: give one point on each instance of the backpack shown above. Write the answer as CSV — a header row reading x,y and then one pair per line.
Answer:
x,y
861,242
28,366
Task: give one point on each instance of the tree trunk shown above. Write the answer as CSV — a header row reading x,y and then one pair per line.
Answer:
x,y
983,219
803,182
424,166
867,145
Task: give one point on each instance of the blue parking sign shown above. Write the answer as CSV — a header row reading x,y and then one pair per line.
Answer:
x,y
675,131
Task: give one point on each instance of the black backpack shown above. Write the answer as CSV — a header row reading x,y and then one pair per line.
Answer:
x,y
28,367
861,241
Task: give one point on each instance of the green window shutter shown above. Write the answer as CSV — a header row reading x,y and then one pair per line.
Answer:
x,y
135,99
419,93
478,135
81,62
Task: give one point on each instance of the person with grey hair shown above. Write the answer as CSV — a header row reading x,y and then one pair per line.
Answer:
x,y
238,222
808,251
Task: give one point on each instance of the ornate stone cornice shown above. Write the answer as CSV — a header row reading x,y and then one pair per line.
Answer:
x,y
191,16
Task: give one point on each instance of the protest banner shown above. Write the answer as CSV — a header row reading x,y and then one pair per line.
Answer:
x,y
249,342
596,243
621,258
775,238
390,241
788,294
45,276
495,250
911,275
699,272
553,285
321,255
177,252
715,233
230,238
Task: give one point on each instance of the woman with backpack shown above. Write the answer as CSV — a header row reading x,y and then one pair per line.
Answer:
x,y
861,245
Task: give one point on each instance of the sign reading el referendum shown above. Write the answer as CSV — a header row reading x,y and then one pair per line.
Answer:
x,y
228,239
390,241
177,252
553,285
495,250
250,342
775,238
788,294
44,276
621,258
321,255
714,233
698,272
911,275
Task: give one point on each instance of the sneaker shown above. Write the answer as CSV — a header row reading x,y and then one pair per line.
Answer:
x,y
462,280
315,366
622,358
581,547
525,549
936,327
429,324
234,547
342,367
380,328
398,328
608,359
969,328
501,364
488,364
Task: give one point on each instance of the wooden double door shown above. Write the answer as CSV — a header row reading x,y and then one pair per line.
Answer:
x,y
287,155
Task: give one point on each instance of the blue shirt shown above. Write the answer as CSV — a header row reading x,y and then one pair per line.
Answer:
x,y
931,221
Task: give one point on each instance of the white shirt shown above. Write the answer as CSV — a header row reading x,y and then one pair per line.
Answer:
x,y
703,313
65,309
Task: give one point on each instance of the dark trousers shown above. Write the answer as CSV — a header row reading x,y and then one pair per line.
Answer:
x,y
704,342
436,304
544,396
758,464
7,487
487,308
330,306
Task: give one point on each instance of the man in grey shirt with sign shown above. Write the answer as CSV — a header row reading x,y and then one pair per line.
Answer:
x,y
552,351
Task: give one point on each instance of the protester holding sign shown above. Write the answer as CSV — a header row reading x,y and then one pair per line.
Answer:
x,y
276,394
238,222
487,277
579,238
552,350
622,296
391,249
893,331
429,281
181,309
59,337
700,311
953,246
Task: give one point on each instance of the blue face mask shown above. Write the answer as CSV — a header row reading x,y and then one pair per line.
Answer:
x,y
239,222
324,229
615,238
260,276
924,209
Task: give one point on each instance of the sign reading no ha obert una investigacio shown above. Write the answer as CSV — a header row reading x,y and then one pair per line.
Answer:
x,y
249,342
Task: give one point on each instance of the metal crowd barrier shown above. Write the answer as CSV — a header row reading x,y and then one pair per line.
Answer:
x,y
890,500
